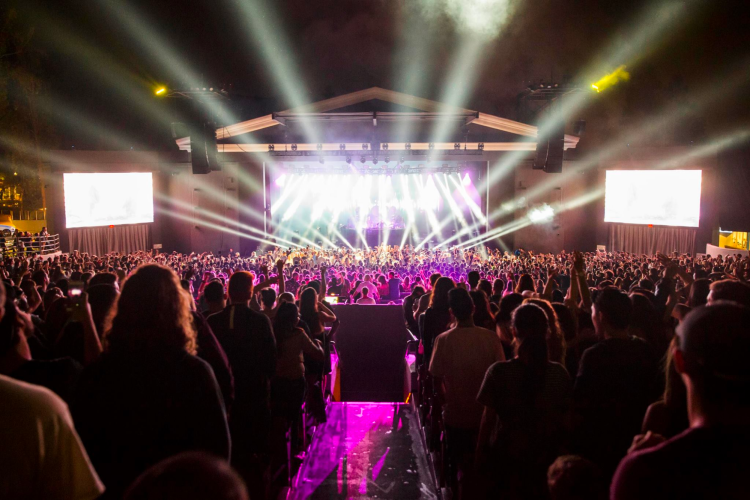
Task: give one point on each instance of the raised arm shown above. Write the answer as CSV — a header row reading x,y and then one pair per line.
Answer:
x,y
548,287
580,276
323,282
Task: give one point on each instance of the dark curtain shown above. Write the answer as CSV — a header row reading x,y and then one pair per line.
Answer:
x,y
641,239
101,240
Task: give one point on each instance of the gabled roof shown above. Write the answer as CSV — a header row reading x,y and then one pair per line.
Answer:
x,y
399,98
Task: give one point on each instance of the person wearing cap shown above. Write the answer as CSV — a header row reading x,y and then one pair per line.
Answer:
x,y
712,457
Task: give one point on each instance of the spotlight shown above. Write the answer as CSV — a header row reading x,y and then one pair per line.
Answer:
x,y
387,159
161,90
365,146
401,160
271,147
294,147
320,147
408,146
342,147
321,160
431,146
349,160
456,146
481,146
363,159
384,146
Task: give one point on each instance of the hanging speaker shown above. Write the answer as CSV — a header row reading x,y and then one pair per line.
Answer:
x,y
555,151
203,151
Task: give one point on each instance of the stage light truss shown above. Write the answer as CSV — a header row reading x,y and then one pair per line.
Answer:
x,y
295,151
366,167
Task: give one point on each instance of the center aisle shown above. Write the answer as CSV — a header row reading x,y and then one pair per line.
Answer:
x,y
367,450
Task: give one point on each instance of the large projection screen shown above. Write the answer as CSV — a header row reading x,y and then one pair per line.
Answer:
x,y
108,199
658,197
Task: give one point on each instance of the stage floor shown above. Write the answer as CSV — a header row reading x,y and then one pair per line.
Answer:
x,y
367,450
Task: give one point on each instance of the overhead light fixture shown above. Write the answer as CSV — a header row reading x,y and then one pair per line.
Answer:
x,y
481,146
271,147
319,147
407,146
321,160
457,146
431,146
349,160
342,147
384,146
363,159
365,146
294,147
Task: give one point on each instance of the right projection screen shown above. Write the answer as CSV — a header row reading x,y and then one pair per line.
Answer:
x,y
659,197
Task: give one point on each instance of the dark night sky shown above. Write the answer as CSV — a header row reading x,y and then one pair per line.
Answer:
x,y
347,45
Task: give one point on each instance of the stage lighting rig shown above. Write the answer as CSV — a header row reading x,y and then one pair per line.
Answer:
x,y
271,147
365,146
294,147
342,147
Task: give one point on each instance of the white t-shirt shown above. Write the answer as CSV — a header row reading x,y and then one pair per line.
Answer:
x,y
366,301
367,284
41,455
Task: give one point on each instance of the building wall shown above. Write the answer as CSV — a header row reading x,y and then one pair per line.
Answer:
x,y
235,194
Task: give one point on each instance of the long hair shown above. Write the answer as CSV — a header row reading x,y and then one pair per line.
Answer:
x,y
285,322
308,309
525,282
555,337
530,329
151,315
482,315
439,297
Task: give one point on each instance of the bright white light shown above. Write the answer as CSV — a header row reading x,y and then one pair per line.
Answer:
x,y
466,180
484,18
108,199
281,180
660,197
541,214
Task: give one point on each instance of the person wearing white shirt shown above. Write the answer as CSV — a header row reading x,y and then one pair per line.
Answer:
x,y
41,454
369,285
366,299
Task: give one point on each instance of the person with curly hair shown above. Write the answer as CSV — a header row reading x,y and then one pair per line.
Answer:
x,y
148,396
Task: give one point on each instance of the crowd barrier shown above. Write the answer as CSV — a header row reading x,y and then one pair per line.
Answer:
x,y
27,246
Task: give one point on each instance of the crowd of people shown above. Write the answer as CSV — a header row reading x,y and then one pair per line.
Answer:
x,y
549,376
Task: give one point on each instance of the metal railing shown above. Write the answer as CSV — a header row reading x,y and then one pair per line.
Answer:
x,y
18,214
29,245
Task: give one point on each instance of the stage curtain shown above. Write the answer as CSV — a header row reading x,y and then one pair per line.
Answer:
x,y
101,240
641,239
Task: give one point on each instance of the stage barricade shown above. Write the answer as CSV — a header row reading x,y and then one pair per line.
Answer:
x,y
26,246
371,344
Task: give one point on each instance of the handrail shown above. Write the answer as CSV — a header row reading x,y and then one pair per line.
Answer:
x,y
26,245
18,214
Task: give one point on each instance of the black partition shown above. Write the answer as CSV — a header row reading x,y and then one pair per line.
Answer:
x,y
371,343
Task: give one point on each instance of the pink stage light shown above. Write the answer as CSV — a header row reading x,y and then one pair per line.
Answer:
x,y
281,180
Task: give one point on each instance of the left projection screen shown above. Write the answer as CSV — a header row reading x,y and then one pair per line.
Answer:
x,y
108,199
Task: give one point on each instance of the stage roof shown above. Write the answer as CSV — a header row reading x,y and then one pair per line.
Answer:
x,y
376,115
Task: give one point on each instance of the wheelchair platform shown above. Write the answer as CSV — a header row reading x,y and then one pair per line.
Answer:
x,y
367,450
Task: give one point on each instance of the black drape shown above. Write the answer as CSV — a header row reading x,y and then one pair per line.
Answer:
x,y
105,239
642,239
